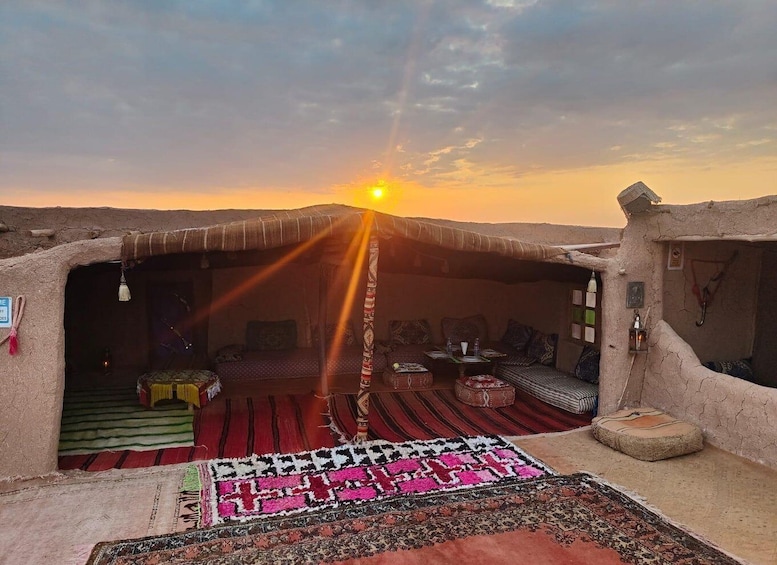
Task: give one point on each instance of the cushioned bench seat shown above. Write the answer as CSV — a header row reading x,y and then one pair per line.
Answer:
x,y
552,386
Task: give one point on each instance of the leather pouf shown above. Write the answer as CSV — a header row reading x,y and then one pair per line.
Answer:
x,y
407,381
484,391
647,434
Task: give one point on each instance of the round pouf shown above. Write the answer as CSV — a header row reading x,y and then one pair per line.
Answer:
x,y
647,434
484,391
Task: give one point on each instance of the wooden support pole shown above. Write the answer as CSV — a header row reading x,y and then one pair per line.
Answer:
x,y
363,398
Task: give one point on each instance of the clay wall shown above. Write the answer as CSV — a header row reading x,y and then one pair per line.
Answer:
x,y
729,325
734,414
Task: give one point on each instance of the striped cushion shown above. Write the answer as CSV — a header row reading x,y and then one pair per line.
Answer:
x,y
552,386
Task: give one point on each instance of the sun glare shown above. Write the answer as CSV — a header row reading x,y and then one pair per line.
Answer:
x,y
378,191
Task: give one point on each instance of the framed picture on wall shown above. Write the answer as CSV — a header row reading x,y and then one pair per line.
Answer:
x,y
635,295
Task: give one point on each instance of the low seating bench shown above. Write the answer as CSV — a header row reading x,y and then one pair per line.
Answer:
x,y
552,386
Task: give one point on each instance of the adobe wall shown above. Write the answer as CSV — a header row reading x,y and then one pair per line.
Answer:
x,y
729,325
33,380
735,415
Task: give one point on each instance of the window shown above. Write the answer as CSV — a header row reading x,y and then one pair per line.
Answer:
x,y
584,315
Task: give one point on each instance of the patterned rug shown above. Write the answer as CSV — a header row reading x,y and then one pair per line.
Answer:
x,y
427,414
237,490
553,519
114,420
230,426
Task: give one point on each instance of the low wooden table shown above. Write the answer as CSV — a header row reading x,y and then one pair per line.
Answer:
x,y
440,363
196,387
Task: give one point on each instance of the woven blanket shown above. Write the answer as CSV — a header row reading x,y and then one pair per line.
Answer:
x,y
235,490
113,420
552,519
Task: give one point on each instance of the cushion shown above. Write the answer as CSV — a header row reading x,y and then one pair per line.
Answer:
x,y
588,365
410,332
647,434
741,369
517,360
552,386
349,337
543,347
517,335
271,336
465,329
228,353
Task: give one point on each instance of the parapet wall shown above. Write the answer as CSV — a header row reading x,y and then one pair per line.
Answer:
x,y
734,414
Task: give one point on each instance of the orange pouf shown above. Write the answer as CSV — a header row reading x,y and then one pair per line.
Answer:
x,y
485,391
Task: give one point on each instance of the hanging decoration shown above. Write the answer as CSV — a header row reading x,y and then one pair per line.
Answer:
x,y
705,294
16,319
124,291
363,398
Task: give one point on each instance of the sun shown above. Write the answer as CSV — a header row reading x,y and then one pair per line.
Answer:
x,y
378,191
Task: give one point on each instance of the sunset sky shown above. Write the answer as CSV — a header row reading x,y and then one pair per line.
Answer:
x,y
495,111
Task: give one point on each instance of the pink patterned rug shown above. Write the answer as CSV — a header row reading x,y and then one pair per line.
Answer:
x,y
238,490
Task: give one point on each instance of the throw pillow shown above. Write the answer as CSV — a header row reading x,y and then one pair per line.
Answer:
x,y
410,332
229,353
741,369
349,338
587,368
542,347
517,335
271,336
465,329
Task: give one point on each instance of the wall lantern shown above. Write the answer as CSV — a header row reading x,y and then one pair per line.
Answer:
x,y
637,335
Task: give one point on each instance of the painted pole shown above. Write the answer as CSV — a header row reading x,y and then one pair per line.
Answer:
x,y
363,398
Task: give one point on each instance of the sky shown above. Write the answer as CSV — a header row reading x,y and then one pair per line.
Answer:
x,y
488,111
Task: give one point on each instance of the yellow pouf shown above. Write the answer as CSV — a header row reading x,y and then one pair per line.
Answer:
x,y
647,434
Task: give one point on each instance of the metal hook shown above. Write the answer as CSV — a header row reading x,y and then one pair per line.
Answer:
x,y
700,323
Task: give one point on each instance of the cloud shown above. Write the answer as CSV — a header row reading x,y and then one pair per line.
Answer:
x,y
307,95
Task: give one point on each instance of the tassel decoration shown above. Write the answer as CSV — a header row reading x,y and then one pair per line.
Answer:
x,y
592,282
124,291
13,342
16,319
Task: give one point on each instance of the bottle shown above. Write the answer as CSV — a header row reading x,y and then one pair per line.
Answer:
x,y
449,347
476,348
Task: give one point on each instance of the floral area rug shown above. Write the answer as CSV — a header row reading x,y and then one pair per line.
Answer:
x,y
235,490
551,519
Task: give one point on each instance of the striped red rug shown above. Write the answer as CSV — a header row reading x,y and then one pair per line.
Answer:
x,y
230,427
428,414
